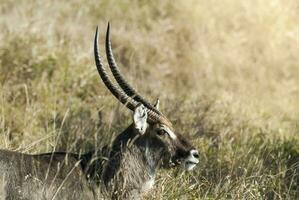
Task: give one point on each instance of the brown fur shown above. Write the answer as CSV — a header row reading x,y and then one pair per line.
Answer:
x,y
133,160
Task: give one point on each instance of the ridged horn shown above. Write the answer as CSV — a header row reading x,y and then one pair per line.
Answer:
x,y
130,103
123,83
120,95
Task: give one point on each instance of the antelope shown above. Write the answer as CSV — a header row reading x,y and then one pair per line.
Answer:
x,y
134,157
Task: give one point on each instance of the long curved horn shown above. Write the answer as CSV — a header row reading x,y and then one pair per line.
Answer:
x,y
120,95
117,92
129,90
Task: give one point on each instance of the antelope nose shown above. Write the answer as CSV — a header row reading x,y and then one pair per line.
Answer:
x,y
194,153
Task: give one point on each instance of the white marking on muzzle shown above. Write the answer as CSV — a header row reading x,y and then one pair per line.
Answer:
x,y
190,161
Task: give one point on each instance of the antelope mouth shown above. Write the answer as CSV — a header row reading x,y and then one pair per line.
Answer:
x,y
191,162
186,164
189,165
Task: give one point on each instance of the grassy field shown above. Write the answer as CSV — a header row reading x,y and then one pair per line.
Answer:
x,y
226,73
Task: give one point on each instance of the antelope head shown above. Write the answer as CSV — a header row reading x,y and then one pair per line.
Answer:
x,y
149,122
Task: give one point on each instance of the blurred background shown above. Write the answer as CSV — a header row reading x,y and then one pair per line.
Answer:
x,y
226,73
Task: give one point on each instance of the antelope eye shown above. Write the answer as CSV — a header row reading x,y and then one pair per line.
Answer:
x,y
161,132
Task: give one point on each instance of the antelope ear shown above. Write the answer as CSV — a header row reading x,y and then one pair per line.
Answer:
x,y
140,118
157,104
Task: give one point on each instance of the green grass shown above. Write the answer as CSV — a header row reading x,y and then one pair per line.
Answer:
x,y
226,73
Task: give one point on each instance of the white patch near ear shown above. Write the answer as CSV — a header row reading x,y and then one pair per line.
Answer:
x,y
171,134
157,104
140,118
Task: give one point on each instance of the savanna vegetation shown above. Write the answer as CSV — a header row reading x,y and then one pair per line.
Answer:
x,y
226,73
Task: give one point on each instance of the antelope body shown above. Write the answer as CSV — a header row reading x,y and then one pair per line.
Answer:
x,y
148,144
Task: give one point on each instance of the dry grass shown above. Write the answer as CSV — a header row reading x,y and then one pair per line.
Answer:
x,y
228,71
